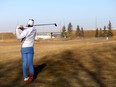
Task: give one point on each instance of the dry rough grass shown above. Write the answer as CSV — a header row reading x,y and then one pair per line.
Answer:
x,y
7,35
75,63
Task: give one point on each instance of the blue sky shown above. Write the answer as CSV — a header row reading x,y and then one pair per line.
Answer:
x,y
86,13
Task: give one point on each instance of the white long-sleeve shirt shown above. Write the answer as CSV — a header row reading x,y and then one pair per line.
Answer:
x,y
29,34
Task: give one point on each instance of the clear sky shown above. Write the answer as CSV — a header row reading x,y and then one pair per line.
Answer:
x,y
86,13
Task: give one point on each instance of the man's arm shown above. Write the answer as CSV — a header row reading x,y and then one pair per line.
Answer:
x,y
20,35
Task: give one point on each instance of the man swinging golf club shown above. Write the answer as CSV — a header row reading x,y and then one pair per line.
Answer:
x,y
27,37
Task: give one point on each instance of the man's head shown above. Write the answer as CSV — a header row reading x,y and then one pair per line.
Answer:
x,y
30,23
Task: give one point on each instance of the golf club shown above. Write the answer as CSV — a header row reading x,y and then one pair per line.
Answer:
x,y
22,28
45,24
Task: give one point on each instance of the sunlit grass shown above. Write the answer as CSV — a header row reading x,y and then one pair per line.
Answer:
x,y
74,63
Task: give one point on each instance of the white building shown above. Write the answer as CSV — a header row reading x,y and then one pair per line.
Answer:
x,y
44,36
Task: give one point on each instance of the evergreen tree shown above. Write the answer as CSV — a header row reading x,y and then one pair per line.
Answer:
x,y
110,34
77,31
97,33
63,33
100,33
82,32
69,31
104,32
109,25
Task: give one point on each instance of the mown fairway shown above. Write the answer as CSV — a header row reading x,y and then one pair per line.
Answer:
x,y
75,63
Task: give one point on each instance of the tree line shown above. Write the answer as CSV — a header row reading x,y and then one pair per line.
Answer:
x,y
105,32
69,33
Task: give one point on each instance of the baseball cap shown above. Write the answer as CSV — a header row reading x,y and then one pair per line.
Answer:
x,y
31,22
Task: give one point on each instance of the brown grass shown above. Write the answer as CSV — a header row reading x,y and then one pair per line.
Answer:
x,y
6,36
87,34
74,63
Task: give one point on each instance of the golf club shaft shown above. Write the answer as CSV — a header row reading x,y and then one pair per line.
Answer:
x,y
45,24
41,25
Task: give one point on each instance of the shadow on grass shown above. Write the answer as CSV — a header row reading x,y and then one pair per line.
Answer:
x,y
70,68
38,69
11,74
66,70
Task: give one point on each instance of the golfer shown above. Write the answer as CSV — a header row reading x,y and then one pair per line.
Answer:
x,y
27,37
